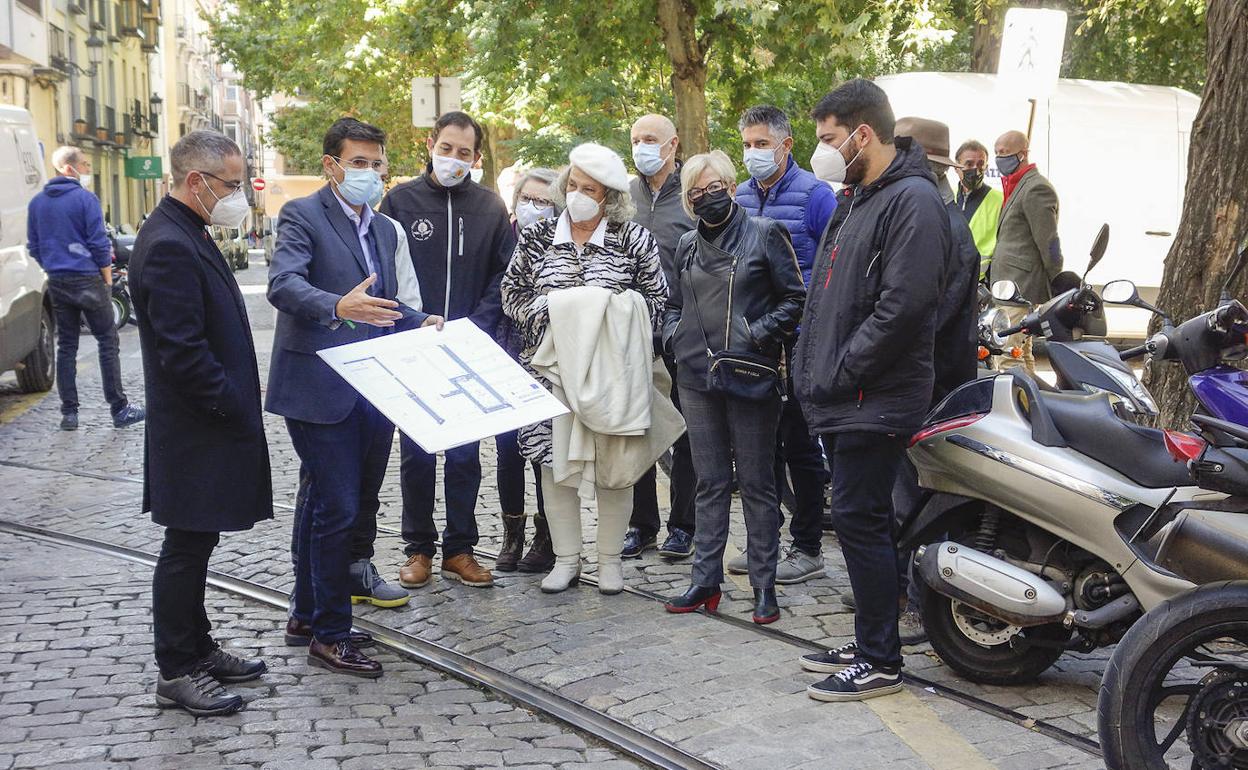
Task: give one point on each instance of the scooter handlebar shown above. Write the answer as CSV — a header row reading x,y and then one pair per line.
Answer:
x,y
1134,352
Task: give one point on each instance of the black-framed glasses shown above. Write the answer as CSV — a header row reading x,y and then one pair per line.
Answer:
x,y
360,164
541,203
229,185
696,194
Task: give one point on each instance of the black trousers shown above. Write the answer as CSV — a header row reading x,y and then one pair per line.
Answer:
x,y
77,297
864,472
511,466
180,624
684,484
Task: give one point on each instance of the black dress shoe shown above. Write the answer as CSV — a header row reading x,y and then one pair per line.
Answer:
x,y
343,657
299,634
695,597
198,692
766,609
225,667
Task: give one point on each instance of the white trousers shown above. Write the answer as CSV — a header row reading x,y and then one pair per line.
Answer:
x,y
563,516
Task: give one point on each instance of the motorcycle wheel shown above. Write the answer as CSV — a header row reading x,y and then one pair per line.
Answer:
x,y
1168,662
979,648
121,309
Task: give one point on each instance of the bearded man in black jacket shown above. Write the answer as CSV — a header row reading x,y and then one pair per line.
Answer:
x,y
863,366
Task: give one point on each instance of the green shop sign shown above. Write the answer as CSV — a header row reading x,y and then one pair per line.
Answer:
x,y
144,167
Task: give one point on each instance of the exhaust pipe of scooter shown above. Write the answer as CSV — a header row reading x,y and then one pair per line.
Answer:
x,y
994,587
1202,552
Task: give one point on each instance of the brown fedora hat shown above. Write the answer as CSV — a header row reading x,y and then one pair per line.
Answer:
x,y
932,135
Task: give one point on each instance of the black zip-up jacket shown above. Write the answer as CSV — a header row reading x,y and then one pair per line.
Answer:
x,y
864,358
461,240
754,310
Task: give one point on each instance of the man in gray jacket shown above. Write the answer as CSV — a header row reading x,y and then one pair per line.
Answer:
x,y
1028,250
656,192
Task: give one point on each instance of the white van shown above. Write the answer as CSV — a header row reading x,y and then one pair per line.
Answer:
x,y
1115,152
27,332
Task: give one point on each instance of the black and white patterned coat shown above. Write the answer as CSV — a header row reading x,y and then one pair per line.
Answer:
x,y
627,259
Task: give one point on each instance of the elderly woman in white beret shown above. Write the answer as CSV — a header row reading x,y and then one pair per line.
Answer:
x,y
592,243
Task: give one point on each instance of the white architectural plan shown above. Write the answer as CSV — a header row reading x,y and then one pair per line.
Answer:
x,y
444,388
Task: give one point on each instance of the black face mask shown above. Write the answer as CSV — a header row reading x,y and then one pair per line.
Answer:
x,y
714,207
972,178
1008,164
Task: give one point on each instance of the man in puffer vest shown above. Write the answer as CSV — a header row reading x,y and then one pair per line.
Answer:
x,y
779,189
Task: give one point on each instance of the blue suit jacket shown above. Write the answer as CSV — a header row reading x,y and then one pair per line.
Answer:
x,y
316,261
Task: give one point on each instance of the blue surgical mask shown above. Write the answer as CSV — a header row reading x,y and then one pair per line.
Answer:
x,y
375,201
360,186
648,158
761,163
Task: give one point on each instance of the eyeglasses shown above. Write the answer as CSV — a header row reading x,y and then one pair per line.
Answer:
x,y
362,163
695,194
541,203
229,185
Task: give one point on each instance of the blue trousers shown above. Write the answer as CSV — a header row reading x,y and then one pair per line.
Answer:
x,y
345,464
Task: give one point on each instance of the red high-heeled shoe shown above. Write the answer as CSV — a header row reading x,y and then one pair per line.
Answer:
x,y
695,598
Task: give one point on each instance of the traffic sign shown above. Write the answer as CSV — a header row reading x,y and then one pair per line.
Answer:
x,y
433,97
257,184
1031,50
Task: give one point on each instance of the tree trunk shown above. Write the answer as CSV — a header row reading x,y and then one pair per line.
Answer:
x,y
1215,208
498,155
687,53
986,38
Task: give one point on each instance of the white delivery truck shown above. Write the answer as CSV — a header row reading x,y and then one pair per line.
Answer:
x,y
26,323
1115,152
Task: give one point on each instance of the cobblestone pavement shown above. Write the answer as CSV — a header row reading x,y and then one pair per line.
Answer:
x,y
729,695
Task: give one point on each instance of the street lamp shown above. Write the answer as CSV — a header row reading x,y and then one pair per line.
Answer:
x,y
95,53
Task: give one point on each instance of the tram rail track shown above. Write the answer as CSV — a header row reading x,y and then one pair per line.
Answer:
x,y
1041,726
615,733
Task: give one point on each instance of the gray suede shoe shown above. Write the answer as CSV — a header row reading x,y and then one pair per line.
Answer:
x,y
798,566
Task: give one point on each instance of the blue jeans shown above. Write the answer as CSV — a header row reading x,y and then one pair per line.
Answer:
x,y
345,464
864,471
724,431
462,481
77,297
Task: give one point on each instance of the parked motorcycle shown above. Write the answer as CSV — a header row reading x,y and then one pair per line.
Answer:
x,y
992,345
1049,508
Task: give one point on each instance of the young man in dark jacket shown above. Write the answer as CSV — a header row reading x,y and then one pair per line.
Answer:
x,y
461,240
863,368
65,235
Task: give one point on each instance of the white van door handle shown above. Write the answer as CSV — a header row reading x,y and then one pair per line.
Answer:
x,y
1159,233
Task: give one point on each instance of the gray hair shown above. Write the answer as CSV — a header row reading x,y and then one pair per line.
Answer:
x,y
546,176
695,167
765,114
66,156
618,206
200,151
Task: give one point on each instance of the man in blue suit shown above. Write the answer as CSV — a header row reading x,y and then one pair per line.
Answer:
x,y
335,280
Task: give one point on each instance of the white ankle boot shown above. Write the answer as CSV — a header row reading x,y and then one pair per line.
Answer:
x,y
610,574
567,573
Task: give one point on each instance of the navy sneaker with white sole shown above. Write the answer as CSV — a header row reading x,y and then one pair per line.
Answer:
x,y
832,661
635,543
858,682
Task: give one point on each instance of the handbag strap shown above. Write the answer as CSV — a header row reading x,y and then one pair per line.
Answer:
x,y
694,294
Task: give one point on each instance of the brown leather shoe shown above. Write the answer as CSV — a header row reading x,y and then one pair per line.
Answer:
x,y
299,634
417,571
464,568
343,658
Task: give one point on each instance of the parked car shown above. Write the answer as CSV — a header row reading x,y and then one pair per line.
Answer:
x,y
27,326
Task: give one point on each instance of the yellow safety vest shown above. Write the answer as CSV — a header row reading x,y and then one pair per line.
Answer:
x,y
983,226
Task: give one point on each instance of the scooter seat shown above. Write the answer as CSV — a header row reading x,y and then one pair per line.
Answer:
x,y
1090,426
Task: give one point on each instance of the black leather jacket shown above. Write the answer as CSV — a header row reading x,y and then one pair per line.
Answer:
x,y
749,293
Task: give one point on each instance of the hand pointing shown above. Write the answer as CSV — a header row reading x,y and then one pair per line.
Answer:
x,y
361,307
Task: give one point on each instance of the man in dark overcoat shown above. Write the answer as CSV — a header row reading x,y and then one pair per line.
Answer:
x,y
206,460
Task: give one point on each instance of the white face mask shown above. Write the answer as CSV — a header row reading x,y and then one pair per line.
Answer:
x,y
829,164
83,179
528,212
229,211
477,175
648,158
761,163
581,207
450,171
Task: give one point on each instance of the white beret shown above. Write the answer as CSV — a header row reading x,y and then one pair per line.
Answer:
x,y
600,163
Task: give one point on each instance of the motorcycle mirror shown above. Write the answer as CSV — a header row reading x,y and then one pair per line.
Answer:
x,y
1007,292
1098,248
1121,292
